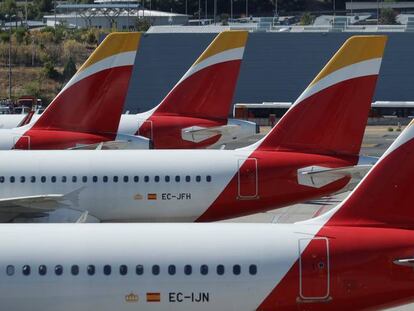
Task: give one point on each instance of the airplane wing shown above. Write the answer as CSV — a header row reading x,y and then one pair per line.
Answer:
x,y
38,204
198,134
315,176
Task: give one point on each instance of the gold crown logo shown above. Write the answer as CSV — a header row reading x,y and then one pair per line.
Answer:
x,y
131,297
138,196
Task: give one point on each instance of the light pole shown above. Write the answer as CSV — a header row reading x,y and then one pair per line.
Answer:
x,y
247,8
205,10
199,12
10,46
215,11
231,10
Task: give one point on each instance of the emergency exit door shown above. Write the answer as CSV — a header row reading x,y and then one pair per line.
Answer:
x,y
314,269
247,179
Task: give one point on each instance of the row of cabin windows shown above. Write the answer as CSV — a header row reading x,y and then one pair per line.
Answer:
x,y
105,179
123,270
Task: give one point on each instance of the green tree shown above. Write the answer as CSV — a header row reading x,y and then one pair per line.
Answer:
x,y
20,34
306,19
142,24
50,71
387,16
69,70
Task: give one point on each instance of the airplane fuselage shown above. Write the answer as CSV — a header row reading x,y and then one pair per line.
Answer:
x,y
166,185
203,267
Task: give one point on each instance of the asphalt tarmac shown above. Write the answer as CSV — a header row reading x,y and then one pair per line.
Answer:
x,y
376,140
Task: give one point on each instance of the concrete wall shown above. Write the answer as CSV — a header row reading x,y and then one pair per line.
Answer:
x,y
276,67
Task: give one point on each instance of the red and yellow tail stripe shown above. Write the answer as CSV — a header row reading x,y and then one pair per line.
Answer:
x,y
358,57
116,50
227,46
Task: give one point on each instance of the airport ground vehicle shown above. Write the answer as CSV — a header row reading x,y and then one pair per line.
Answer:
x,y
313,151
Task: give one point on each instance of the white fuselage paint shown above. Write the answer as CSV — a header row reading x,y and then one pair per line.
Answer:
x,y
119,201
272,248
129,125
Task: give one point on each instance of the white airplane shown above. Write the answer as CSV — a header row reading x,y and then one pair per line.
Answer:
x,y
313,151
358,256
87,111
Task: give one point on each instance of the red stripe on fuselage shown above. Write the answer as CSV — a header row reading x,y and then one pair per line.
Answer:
x,y
277,184
362,274
166,131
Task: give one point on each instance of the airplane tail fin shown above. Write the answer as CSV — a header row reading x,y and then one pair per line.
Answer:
x,y
93,100
207,88
330,116
384,197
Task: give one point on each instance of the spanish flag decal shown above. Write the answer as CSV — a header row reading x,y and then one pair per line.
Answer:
x,y
152,196
153,297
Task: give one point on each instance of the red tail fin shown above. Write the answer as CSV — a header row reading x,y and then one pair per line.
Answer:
x,y
331,114
93,100
207,88
384,196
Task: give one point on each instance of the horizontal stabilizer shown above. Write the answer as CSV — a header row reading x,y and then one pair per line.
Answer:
x,y
197,134
317,176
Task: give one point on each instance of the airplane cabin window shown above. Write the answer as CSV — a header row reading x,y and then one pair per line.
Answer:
x,y
105,179
188,269
115,179
1,179
167,178
43,179
123,269
220,269
22,179
136,179
107,269
53,179
198,178
32,179
26,270
63,179
90,269
208,178
74,178
146,178
126,178
84,179
12,179
10,270
253,269
74,270
156,178
177,178
171,269
187,178
204,269
58,270
155,269
42,270
139,269
95,178
236,269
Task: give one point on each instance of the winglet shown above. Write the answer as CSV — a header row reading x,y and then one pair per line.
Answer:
x,y
93,100
330,115
207,88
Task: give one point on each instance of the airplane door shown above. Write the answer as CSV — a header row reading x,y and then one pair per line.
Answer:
x,y
21,142
247,179
314,269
